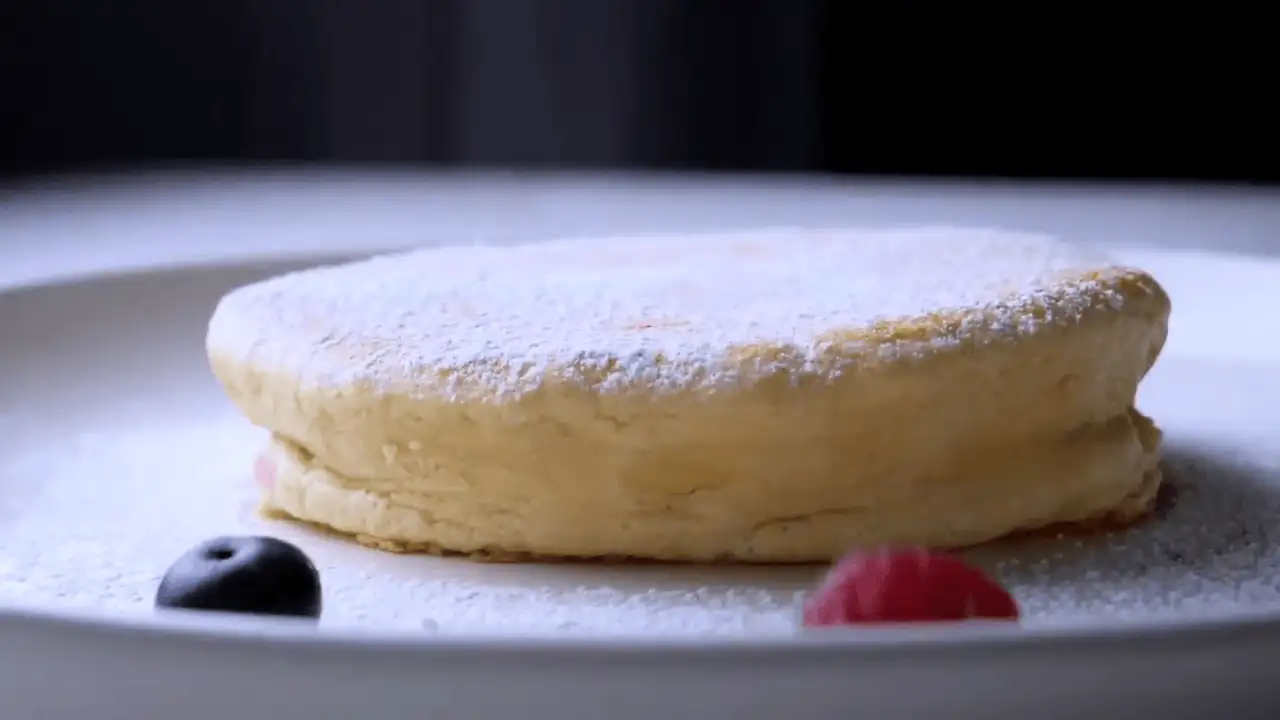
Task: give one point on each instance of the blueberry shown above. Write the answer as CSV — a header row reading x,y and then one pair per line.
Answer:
x,y
255,575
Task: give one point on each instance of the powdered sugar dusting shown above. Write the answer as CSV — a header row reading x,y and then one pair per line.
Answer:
x,y
657,312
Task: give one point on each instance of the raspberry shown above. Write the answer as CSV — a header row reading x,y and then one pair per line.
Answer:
x,y
901,586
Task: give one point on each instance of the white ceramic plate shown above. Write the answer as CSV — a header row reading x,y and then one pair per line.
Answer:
x,y
117,452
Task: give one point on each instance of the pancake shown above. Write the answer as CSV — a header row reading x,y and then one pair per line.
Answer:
x,y
764,396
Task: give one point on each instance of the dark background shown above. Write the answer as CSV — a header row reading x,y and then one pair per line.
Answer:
x,y
774,85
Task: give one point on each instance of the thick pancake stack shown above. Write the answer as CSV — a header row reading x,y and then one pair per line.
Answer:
x,y
768,396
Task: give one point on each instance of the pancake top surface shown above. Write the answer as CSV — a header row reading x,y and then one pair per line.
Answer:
x,y
670,312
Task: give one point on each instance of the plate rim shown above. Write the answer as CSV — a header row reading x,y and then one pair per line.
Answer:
x,y
992,639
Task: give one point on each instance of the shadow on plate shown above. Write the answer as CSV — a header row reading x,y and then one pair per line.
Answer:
x,y
1220,531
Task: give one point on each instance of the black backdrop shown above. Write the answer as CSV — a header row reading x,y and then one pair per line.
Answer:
x,y
785,85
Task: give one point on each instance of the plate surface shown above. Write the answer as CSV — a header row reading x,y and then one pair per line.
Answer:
x,y
118,452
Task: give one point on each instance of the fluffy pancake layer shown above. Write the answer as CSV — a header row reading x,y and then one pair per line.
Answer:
x,y
984,497
638,398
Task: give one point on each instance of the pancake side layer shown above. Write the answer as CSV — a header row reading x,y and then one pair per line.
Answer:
x,y
1068,484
